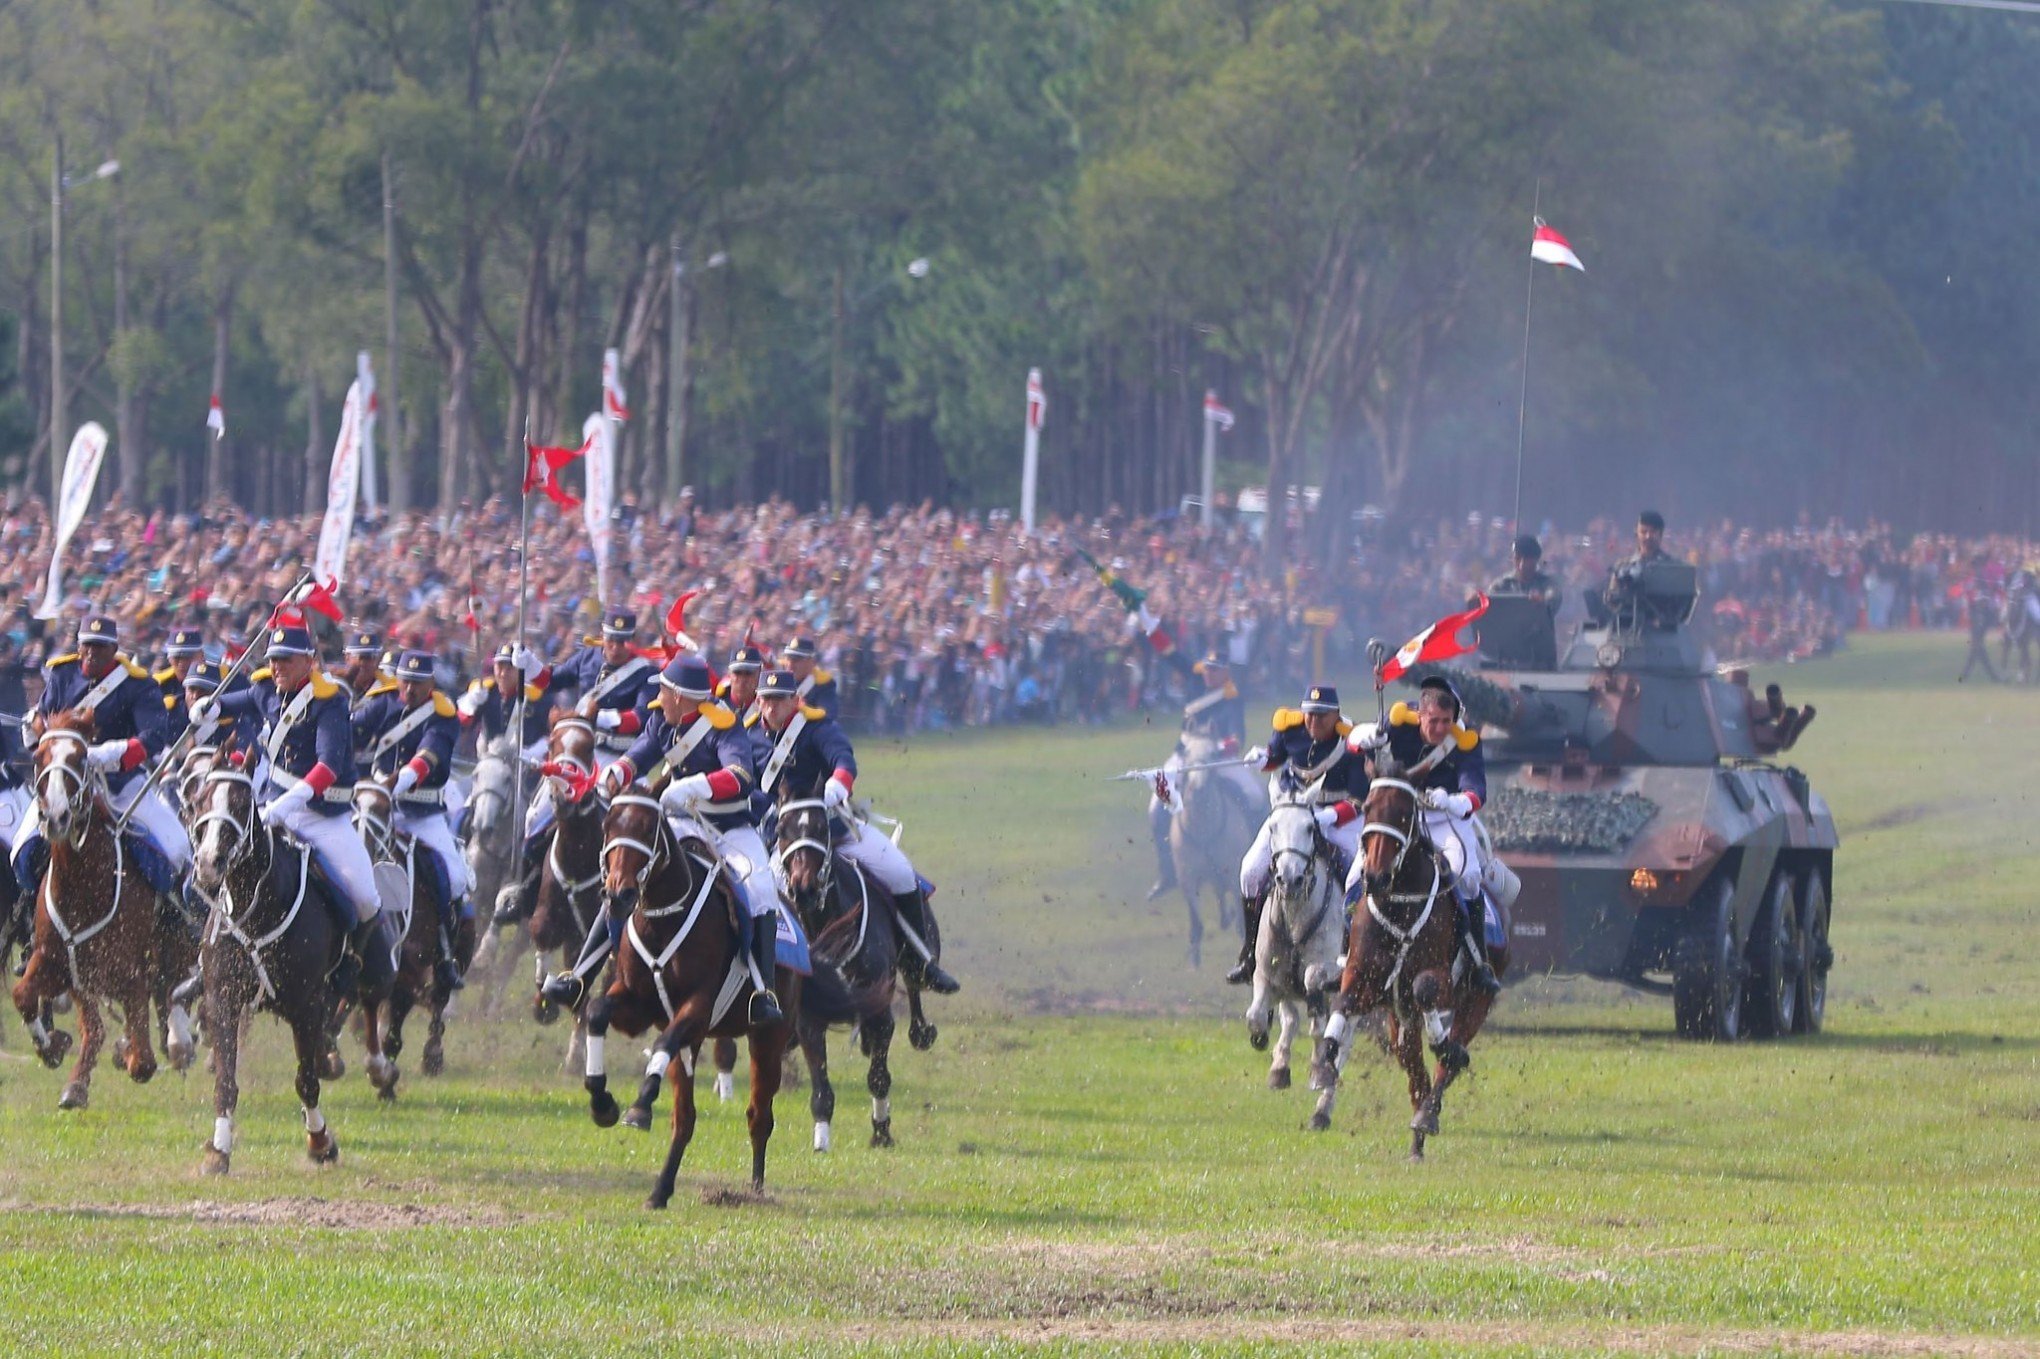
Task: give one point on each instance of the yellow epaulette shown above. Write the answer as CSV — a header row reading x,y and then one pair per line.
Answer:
x,y
722,686
1403,715
718,716
381,686
68,658
170,703
442,706
164,676
1345,727
480,686
822,676
323,685
751,718
135,671
260,674
813,714
1287,718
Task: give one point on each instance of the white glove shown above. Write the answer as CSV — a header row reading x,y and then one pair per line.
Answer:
x,y
407,779
1327,817
288,802
107,754
525,659
1366,737
1456,804
834,794
471,702
205,711
615,779
609,719
688,792
1257,756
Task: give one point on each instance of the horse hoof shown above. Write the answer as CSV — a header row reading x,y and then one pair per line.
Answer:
x,y
639,1118
657,1202
386,1094
214,1162
323,1148
1257,1039
182,1056
725,1087
52,1052
332,1066
75,1096
1278,1079
1320,1122
433,1063
1426,1122
603,1108
881,1133
142,1072
921,1036
545,1011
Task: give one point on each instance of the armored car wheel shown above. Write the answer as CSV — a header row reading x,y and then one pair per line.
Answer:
x,y
1814,915
1707,968
1777,960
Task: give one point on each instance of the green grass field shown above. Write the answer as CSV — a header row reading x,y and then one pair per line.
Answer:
x,y
1090,1159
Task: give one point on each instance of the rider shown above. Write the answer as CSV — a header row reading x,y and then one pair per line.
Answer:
x,y
203,680
803,744
615,684
694,746
493,703
1306,743
128,732
739,688
410,730
307,745
1220,715
1451,791
362,670
185,647
817,686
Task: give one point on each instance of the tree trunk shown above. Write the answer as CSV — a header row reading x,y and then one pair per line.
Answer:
x,y
126,436
215,456
391,411
315,438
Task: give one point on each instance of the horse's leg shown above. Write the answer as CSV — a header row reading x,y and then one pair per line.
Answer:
x,y
920,1033
626,1012
726,1069
683,1129
1258,1010
432,1060
139,1056
1190,892
814,1042
1408,1045
768,1052
1278,1068
308,1038
682,1035
878,1035
91,1037
44,977
377,1033
223,1012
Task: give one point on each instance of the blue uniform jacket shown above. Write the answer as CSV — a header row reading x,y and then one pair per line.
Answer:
x,y
819,751
431,742
323,735
175,718
495,712
725,747
1345,772
1222,720
584,672
132,712
1464,770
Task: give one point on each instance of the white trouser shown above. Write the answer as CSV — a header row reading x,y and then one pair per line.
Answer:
x,y
341,853
1260,859
456,800
433,830
15,808
879,856
744,851
1459,844
153,816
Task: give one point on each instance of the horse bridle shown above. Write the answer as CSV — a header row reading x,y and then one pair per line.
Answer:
x,y
825,878
657,853
82,783
1406,839
244,832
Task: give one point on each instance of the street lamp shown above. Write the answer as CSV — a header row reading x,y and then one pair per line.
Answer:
x,y
58,416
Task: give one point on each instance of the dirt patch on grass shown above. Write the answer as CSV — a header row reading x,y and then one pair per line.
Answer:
x,y
300,1211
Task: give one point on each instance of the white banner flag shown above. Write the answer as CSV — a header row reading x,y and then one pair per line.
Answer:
x,y
612,387
81,474
599,466
342,484
364,377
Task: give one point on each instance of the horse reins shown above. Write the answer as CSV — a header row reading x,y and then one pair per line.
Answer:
x,y
222,917
657,856
77,785
1405,839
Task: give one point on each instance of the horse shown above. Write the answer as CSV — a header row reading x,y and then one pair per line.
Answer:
x,y
1402,951
421,933
678,969
270,946
570,883
1208,836
855,954
489,841
96,924
1296,955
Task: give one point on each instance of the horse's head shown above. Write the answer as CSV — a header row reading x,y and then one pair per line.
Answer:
x,y
375,817
635,845
1390,826
802,851
489,799
570,749
1292,844
67,787
223,832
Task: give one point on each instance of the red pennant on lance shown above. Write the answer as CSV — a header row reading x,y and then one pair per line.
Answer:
x,y
1438,642
676,618
542,472
319,599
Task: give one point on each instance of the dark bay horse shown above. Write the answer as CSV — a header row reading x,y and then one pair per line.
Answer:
x,y
420,932
570,884
849,926
270,944
96,921
1402,954
678,970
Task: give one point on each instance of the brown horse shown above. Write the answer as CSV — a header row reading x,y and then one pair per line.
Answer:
x,y
95,917
418,951
1402,953
570,883
679,969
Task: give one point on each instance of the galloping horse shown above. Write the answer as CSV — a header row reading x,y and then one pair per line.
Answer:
x,y
1208,836
855,953
570,884
420,933
490,844
1402,952
678,969
96,924
271,944
1296,956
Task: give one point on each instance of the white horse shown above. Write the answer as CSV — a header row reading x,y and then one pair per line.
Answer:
x,y
1296,954
491,849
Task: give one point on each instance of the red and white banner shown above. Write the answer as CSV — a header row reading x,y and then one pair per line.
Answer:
x,y
542,472
1439,642
1549,247
598,434
81,474
364,376
612,387
216,418
1217,412
1030,447
343,485
1037,400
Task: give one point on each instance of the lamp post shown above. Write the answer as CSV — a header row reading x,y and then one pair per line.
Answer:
x,y
58,416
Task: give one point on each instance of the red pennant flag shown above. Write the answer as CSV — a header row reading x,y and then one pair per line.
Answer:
x,y
676,618
1548,247
1438,642
542,472
319,599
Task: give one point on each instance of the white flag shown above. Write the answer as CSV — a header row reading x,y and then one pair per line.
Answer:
x,y
216,418
81,474
364,375
599,466
612,387
343,481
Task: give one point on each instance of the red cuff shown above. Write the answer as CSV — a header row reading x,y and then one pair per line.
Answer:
x,y
1474,798
629,769
420,766
319,779
629,723
135,753
724,785
1343,811
542,678
846,778
1230,743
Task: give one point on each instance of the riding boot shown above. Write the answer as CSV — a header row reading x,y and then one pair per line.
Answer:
x,y
515,901
1250,927
916,964
761,938
1470,938
1165,857
374,941
447,971
567,988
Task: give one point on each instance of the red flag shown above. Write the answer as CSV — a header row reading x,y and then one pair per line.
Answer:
x,y
542,472
1438,642
577,780
676,618
1548,247
319,599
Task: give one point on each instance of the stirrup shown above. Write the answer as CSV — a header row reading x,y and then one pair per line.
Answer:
x,y
564,989
764,1009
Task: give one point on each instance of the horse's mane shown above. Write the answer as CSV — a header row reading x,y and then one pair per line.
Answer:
x,y
81,720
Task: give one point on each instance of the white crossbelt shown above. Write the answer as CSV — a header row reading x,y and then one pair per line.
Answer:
x,y
782,750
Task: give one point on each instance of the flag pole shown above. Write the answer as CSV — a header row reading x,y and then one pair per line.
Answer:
x,y
1523,397
516,732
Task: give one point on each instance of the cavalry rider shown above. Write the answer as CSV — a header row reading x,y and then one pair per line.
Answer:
x,y
491,703
186,646
817,687
1220,715
128,724
1451,792
739,688
614,684
410,730
802,744
202,680
361,670
695,748
307,743
1308,742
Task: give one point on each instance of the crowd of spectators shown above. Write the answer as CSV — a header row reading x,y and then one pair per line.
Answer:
x,y
933,617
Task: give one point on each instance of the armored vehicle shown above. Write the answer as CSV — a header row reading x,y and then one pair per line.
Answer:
x,y
1639,796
